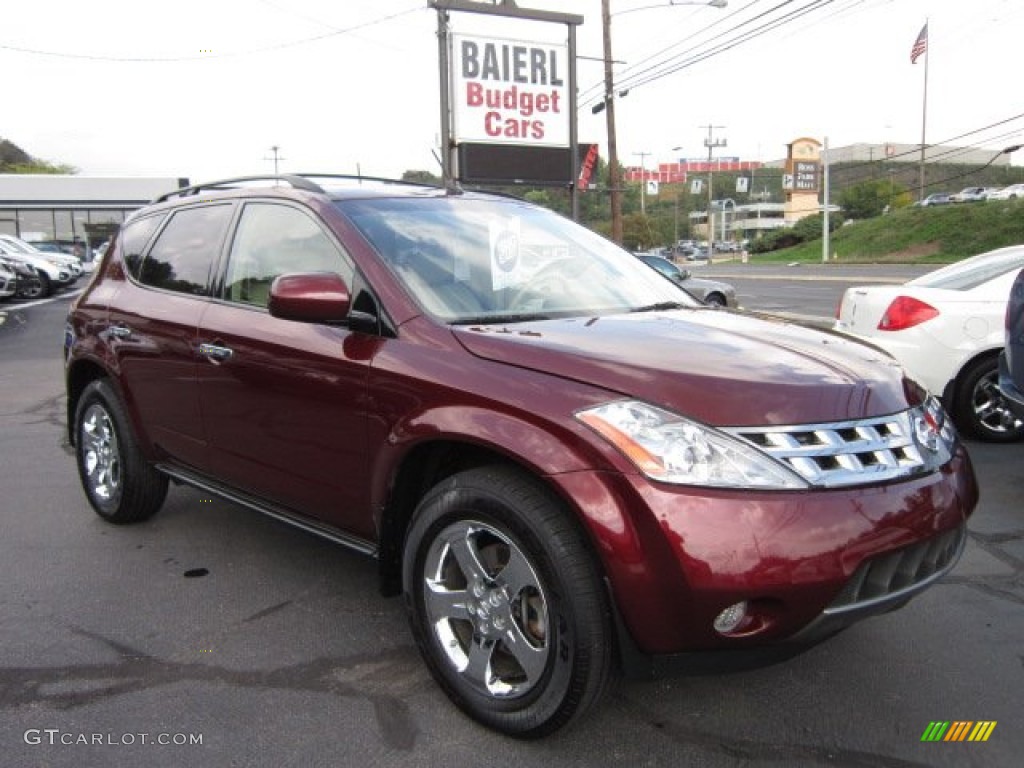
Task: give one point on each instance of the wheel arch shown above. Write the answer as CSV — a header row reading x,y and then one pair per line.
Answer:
x,y
426,465
955,385
80,375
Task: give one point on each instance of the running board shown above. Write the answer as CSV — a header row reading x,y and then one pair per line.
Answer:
x,y
310,526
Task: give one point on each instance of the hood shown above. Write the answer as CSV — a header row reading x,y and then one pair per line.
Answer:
x,y
722,368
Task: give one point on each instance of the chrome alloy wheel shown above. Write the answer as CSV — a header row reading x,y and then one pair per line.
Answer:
x,y
100,455
991,410
487,609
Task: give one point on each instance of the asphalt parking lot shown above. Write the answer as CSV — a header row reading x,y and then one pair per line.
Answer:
x,y
210,636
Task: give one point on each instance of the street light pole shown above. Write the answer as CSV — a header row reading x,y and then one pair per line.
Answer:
x,y
711,143
643,180
725,209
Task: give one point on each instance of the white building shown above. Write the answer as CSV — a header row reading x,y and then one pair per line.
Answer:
x,y
73,208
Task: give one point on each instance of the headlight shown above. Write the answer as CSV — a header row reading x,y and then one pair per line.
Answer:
x,y
672,449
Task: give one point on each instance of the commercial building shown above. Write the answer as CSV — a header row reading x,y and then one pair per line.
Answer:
x,y
73,208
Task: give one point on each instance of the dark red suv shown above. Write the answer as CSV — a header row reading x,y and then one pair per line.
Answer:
x,y
564,462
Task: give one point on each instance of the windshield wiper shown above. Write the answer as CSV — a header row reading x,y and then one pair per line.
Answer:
x,y
521,317
661,307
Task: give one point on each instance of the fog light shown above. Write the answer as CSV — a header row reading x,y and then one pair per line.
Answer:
x,y
731,618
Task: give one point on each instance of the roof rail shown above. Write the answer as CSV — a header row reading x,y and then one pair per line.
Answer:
x,y
295,180
377,179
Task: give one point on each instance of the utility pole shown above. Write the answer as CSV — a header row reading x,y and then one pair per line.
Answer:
x,y
275,158
614,172
643,180
711,143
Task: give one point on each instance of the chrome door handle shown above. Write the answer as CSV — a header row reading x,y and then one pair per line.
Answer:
x,y
215,352
119,332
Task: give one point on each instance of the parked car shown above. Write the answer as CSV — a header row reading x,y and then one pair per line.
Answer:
x,y
937,198
1011,359
74,248
946,327
971,194
63,260
8,280
564,463
1011,192
51,276
710,292
20,280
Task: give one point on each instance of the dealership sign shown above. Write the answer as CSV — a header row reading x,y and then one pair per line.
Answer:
x,y
510,92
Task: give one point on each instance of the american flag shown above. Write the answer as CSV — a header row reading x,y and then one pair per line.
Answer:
x,y
920,45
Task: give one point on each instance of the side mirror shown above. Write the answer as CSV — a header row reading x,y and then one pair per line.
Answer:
x,y
310,297
684,274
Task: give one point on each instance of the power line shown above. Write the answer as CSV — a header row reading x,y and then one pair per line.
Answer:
x,y
231,54
744,37
916,149
597,88
724,33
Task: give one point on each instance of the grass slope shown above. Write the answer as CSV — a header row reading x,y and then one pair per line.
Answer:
x,y
933,235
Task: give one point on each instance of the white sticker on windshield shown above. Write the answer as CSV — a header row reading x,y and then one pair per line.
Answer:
x,y
506,260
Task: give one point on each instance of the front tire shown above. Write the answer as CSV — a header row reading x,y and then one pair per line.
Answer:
x,y
45,284
33,291
980,409
715,300
118,481
506,603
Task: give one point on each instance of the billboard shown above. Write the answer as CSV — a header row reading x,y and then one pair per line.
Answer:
x,y
510,92
507,164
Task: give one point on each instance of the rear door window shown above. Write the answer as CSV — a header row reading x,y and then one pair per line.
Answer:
x,y
182,257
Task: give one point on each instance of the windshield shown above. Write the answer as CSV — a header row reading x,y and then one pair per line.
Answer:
x,y
970,273
492,260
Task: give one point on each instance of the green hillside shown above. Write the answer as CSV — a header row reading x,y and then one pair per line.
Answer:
x,y
918,235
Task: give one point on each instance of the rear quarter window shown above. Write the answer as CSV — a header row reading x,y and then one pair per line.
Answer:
x,y
134,237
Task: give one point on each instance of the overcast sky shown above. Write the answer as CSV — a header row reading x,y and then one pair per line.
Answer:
x,y
205,89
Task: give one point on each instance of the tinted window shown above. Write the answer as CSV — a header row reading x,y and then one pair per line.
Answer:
x,y
272,240
181,258
133,241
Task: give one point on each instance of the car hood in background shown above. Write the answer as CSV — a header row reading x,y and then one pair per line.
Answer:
x,y
720,367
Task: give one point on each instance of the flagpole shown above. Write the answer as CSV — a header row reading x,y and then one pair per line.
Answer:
x,y
924,112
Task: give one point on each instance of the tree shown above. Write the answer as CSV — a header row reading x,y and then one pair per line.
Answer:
x,y
637,232
13,159
422,177
810,227
870,198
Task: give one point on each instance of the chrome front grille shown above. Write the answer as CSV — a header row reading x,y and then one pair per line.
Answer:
x,y
847,453
902,572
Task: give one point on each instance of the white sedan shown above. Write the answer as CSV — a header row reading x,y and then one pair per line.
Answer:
x,y
946,328
1011,192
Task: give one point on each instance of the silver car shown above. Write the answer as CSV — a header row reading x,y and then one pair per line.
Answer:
x,y
709,291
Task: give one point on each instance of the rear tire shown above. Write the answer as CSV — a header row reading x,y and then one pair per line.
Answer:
x,y
506,603
118,481
980,409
